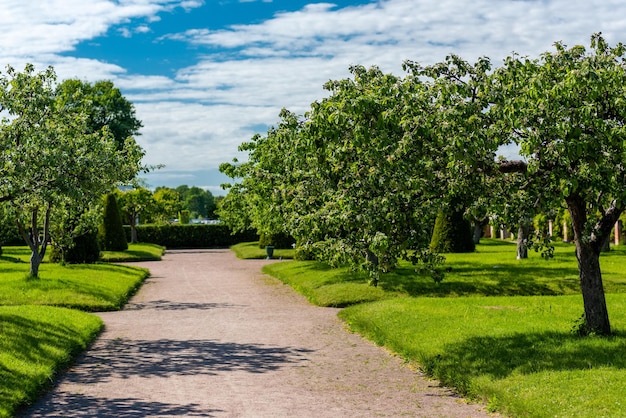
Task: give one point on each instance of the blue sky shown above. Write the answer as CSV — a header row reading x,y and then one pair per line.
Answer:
x,y
206,76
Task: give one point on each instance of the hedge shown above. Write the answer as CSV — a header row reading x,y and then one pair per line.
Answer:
x,y
190,236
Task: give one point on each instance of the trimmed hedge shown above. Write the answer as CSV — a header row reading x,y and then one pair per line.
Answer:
x,y
191,236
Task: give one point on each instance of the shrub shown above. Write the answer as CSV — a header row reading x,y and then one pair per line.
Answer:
x,y
452,234
85,250
111,235
279,240
191,236
184,217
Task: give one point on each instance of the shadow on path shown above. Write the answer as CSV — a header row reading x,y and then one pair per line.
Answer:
x,y
87,406
166,305
123,358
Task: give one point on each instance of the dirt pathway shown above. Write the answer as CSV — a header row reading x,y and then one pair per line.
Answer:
x,y
210,335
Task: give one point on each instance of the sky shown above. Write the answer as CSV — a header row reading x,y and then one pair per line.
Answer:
x,y
206,75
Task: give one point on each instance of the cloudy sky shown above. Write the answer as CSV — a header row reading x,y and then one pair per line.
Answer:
x,y
205,75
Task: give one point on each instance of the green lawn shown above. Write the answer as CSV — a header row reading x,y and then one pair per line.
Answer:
x,y
39,334
135,252
36,342
497,329
251,250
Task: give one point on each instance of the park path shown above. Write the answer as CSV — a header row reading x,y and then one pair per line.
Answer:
x,y
209,335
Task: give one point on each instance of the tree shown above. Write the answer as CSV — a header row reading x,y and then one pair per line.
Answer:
x,y
49,155
112,235
566,111
168,204
104,106
348,181
133,203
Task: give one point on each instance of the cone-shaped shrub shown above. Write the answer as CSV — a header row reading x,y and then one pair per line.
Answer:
x,y
452,234
112,235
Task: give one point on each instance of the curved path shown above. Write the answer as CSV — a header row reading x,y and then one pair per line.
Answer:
x,y
210,335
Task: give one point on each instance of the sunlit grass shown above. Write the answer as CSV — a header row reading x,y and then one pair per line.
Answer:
x,y
135,252
517,354
36,342
496,329
89,287
251,250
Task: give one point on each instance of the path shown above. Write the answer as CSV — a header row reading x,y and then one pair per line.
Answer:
x,y
210,335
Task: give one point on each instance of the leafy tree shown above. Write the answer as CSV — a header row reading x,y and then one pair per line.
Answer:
x,y
566,111
347,181
49,154
168,204
132,204
104,105
112,235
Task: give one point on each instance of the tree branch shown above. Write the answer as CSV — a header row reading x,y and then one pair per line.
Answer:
x,y
515,166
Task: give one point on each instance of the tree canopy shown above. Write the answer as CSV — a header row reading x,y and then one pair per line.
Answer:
x,y
50,154
359,178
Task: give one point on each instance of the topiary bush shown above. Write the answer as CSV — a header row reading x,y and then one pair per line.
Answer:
x,y
452,234
111,235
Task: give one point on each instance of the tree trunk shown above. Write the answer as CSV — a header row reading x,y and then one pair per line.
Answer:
x,y
588,255
479,225
596,313
522,240
35,262
133,234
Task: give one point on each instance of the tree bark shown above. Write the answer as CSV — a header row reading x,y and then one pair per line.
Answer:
x,y
522,240
479,225
588,255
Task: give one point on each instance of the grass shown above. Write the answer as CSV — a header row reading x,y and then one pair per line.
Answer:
x,y
497,329
251,250
42,327
135,252
35,343
88,287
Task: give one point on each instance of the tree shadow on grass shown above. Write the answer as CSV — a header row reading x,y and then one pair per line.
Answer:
x,y
524,353
486,280
122,358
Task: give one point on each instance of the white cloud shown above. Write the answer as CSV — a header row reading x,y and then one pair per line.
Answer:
x,y
244,74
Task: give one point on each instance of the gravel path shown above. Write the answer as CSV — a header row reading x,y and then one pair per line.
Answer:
x,y
209,335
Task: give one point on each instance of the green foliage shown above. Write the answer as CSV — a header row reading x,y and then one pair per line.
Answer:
x,y
452,234
105,107
279,241
168,204
192,236
85,249
184,216
111,235
52,157
199,202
